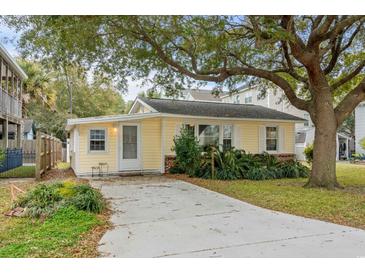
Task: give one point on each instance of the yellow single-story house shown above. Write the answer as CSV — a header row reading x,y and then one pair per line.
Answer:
x,y
142,140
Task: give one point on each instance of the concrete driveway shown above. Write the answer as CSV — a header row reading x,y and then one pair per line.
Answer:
x,y
160,217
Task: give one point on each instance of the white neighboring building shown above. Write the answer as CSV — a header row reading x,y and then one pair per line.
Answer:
x,y
199,95
359,126
305,137
304,131
273,100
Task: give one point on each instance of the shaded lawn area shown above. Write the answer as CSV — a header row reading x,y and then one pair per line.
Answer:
x,y
19,172
346,207
68,233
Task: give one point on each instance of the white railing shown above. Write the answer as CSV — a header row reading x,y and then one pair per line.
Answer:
x,y
9,105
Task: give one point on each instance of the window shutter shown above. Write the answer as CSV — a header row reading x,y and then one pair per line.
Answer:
x,y
237,137
262,139
281,139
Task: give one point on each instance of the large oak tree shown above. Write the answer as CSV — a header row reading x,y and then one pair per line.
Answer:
x,y
318,61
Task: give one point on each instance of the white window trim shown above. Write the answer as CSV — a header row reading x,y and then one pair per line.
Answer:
x,y
220,141
232,134
277,139
248,95
106,141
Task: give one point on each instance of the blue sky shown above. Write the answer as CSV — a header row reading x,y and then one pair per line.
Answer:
x,y
9,39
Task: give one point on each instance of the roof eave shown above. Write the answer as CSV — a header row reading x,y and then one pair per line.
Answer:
x,y
8,58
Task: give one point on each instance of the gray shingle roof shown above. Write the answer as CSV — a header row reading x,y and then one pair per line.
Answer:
x,y
217,109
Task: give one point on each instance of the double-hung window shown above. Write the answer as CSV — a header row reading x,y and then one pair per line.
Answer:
x,y
227,136
97,140
271,138
248,98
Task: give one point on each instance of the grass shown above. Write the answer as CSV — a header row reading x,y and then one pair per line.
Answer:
x,y
55,237
68,233
346,207
19,172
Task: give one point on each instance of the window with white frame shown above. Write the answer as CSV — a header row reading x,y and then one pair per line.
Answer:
x,y
306,117
248,98
237,99
190,128
272,138
97,140
227,136
208,135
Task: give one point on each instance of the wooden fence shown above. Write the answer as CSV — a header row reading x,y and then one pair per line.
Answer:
x,y
29,150
48,153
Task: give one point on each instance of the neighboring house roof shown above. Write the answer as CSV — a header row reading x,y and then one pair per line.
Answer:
x,y
28,126
216,109
202,95
10,60
301,136
171,107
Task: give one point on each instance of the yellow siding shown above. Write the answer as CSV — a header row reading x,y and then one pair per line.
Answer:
x,y
289,137
88,159
249,136
152,149
248,132
151,143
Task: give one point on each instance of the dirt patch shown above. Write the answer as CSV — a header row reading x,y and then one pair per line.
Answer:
x,y
57,174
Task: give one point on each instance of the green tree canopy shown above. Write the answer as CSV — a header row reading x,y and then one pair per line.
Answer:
x,y
46,99
318,61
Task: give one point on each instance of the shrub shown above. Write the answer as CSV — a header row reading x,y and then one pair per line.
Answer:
x,y
67,189
362,143
44,200
188,152
308,153
259,173
227,165
88,199
2,156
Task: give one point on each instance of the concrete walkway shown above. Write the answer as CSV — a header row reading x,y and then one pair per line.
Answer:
x,y
160,217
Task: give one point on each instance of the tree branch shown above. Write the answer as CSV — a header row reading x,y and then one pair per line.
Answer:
x,y
348,77
349,103
221,74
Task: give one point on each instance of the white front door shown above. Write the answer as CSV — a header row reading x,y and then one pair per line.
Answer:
x,y
130,147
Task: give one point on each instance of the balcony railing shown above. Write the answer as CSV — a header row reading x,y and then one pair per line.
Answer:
x,y
9,105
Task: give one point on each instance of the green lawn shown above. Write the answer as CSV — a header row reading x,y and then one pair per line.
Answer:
x,y
68,233
19,172
345,206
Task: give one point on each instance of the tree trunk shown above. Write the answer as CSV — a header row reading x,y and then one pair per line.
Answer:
x,y
323,172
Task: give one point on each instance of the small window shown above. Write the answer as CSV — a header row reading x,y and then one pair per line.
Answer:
x,y
190,128
227,136
208,135
306,117
97,140
248,98
271,138
237,99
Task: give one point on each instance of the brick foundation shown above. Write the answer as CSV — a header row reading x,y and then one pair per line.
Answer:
x,y
169,162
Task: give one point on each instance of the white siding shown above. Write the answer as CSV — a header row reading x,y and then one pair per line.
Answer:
x,y
359,126
272,100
